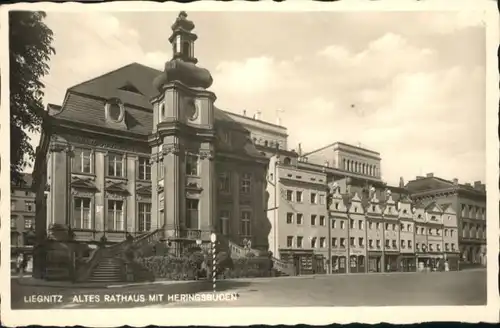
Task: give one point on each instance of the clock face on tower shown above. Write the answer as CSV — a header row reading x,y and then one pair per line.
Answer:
x,y
190,108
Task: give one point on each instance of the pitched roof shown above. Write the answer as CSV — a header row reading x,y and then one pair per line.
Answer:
x,y
112,85
133,85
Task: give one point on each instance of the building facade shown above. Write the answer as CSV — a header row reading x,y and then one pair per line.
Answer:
x,y
22,218
467,202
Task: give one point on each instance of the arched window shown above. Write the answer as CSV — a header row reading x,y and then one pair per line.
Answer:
x,y
266,143
287,161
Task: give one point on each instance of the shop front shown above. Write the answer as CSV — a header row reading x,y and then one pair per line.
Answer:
x,y
339,262
407,263
391,261
303,260
374,261
451,261
430,262
357,261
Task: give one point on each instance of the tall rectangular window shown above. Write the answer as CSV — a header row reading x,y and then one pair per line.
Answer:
x,y
192,164
289,218
144,169
360,224
161,169
361,241
300,217
245,224
82,213
225,217
289,195
321,220
115,220
313,219
299,241
313,198
246,183
225,182
144,217
322,242
13,222
313,242
352,241
298,196
192,216
82,160
289,241
115,165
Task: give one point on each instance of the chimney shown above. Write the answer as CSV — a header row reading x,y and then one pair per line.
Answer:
x,y
455,181
419,177
300,149
477,184
244,112
257,115
468,184
430,175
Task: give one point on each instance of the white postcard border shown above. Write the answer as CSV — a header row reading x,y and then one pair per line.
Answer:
x,y
269,315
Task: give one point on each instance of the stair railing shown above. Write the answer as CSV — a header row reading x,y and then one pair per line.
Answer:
x,y
83,273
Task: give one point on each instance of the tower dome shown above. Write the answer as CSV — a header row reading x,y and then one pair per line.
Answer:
x,y
182,67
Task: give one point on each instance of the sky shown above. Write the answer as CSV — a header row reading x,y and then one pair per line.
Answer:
x,y
410,85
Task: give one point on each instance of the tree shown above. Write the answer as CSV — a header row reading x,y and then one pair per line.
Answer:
x,y
30,46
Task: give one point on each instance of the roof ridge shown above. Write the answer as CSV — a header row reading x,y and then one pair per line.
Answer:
x,y
102,75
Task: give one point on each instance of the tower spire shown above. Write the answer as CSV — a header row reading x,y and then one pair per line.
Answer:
x,y
182,39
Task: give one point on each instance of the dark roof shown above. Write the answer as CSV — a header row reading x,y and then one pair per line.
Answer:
x,y
424,184
428,183
112,85
133,85
26,181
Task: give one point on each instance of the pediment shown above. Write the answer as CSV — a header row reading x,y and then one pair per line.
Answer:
x,y
117,187
80,183
144,190
433,208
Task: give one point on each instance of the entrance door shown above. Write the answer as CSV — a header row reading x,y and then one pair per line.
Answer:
x,y
342,264
361,263
353,264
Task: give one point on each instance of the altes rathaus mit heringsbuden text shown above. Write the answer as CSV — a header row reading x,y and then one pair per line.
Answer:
x,y
146,155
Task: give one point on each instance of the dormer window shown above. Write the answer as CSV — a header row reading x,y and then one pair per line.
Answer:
x,y
114,110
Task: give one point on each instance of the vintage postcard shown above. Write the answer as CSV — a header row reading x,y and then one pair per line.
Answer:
x,y
235,164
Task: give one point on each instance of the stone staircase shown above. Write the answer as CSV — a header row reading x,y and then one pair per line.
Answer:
x,y
109,269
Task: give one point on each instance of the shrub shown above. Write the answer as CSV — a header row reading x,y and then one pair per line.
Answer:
x,y
170,267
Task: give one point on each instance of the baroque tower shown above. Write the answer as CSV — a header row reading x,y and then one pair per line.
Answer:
x,y
182,144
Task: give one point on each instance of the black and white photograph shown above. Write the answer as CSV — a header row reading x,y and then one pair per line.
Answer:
x,y
182,159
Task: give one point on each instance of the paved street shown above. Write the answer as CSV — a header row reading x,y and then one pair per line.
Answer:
x,y
439,288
